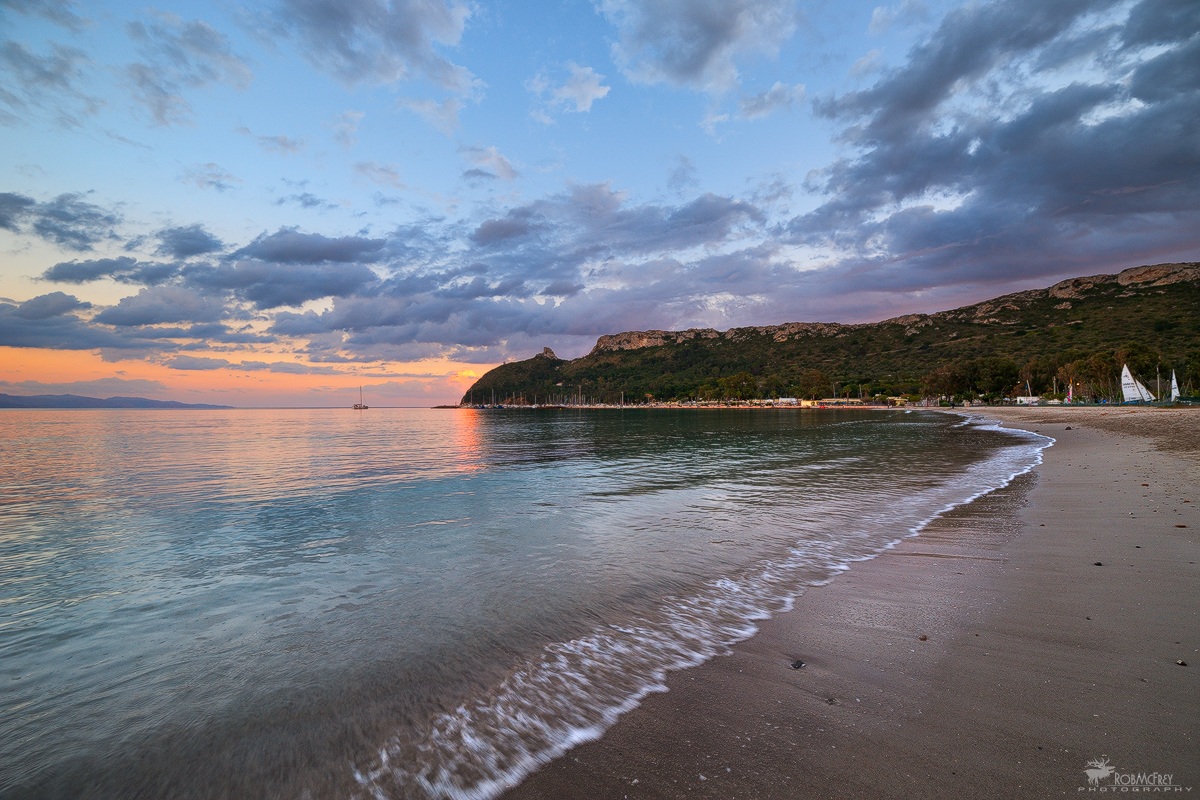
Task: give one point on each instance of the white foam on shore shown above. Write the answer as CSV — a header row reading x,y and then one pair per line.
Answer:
x,y
574,691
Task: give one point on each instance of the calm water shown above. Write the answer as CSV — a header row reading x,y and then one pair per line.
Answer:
x,y
411,603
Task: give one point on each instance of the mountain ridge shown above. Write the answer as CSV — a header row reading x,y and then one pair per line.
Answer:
x,y
81,401
1143,314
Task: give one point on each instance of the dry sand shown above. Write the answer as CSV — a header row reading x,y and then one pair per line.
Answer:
x,y
1014,640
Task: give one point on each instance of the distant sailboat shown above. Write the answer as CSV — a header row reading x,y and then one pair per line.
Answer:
x,y
1174,387
1133,389
360,405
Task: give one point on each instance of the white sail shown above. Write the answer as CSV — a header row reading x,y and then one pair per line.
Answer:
x,y
1133,389
1174,387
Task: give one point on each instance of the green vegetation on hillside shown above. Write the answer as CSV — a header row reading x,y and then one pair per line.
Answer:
x,y
1078,332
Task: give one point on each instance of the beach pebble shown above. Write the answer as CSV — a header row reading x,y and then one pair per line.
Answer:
x,y
1181,663
922,638
1065,429
797,664
1180,525
1099,564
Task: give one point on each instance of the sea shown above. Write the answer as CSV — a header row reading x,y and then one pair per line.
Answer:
x,y
414,603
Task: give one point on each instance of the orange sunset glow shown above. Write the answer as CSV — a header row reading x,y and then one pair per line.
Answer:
x,y
87,373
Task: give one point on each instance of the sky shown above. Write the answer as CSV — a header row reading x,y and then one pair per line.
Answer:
x,y
275,203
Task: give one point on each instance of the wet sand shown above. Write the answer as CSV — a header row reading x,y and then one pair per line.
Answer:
x,y
995,654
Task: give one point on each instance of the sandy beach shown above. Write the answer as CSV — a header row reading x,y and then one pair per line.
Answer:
x,y
1045,626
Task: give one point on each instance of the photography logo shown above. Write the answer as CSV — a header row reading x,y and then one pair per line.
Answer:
x,y
1104,778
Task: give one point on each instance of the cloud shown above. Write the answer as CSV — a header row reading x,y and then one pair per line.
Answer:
x,y
970,41
210,176
779,97
163,304
122,269
274,144
180,55
1161,22
909,12
514,225
270,285
197,363
61,12
48,82
968,166
683,175
488,162
14,209
186,241
289,245
49,305
869,63
345,127
374,41
583,87
67,221
36,327
385,174
568,267
305,200
443,115
696,43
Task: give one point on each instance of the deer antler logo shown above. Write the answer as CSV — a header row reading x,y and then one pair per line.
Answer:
x,y
1097,770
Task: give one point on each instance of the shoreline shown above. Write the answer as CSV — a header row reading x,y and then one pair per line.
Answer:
x,y
989,654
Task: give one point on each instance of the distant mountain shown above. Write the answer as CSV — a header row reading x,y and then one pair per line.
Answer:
x,y
1078,331
77,401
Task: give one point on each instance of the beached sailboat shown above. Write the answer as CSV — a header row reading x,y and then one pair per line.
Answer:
x,y
1133,389
360,405
1174,387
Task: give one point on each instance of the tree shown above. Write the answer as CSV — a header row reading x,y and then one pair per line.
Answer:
x,y
812,384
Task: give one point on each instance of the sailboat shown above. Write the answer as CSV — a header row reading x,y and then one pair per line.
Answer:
x,y
1133,389
360,405
1174,387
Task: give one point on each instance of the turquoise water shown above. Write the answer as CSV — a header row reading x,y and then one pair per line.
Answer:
x,y
408,602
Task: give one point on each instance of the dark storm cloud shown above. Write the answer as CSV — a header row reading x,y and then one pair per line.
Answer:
x,y
186,241
1170,75
1162,22
696,43
374,41
956,181
288,245
178,56
970,41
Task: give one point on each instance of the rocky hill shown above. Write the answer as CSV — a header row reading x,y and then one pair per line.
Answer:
x,y
1078,330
